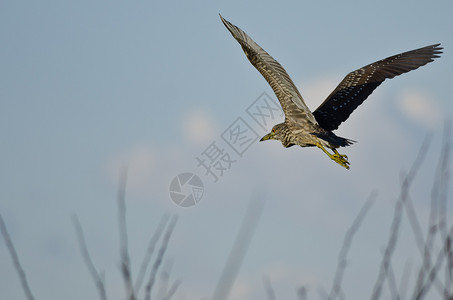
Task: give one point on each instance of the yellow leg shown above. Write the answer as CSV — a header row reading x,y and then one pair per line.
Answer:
x,y
340,159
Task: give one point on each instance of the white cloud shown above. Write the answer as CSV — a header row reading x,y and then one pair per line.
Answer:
x,y
316,91
420,107
198,126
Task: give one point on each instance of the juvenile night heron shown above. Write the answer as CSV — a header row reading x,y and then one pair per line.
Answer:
x,y
304,128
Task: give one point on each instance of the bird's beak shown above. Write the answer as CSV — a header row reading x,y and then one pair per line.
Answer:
x,y
266,137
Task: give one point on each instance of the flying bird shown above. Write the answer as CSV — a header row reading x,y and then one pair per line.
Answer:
x,y
307,129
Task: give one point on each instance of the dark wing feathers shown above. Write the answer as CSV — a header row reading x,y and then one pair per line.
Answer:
x,y
290,99
359,84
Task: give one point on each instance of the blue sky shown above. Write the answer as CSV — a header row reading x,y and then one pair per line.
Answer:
x,y
86,87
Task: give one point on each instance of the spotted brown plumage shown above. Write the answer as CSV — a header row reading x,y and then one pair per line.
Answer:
x,y
304,128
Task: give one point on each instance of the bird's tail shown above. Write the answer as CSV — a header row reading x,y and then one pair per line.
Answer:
x,y
345,142
335,140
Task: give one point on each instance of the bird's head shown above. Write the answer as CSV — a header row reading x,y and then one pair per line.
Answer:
x,y
277,133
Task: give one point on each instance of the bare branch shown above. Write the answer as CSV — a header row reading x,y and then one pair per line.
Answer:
x,y
164,279
437,219
151,246
448,293
404,281
164,292
347,241
122,227
15,258
440,191
394,229
239,249
425,248
159,258
301,293
391,281
268,288
171,292
423,288
98,281
440,186
415,225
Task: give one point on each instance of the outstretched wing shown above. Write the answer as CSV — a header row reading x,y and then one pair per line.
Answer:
x,y
290,99
359,84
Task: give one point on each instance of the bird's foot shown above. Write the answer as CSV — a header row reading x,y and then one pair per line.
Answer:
x,y
340,159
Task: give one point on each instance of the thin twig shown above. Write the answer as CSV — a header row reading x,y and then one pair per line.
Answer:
x,y
171,292
347,241
440,189
449,269
423,289
415,225
391,281
394,229
15,258
430,237
425,249
149,252
159,258
239,249
122,228
437,218
268,288
404,281
301,293
98,281
164,279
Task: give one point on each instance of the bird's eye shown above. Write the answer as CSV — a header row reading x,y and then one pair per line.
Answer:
x,y
273,130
